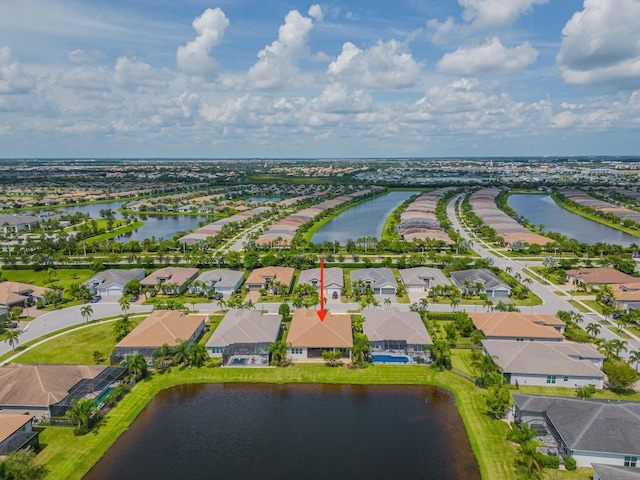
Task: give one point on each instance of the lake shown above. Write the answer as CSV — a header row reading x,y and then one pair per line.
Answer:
x,y
306,431
541,209
364,220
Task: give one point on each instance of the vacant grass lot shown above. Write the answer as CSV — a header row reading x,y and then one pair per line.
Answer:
x,y
63,277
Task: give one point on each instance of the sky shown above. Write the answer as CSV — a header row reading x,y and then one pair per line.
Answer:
x,y
341,79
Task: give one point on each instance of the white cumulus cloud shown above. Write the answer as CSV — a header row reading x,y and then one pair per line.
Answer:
x,y
336,98
491,57
193,58
491,14
385,65
133,73
315,12
277,64
600,44
13,79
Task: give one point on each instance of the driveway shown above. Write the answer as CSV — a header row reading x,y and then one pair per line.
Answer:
x,y
58,319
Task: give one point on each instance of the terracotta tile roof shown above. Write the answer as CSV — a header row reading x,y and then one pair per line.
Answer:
x,y
308,331
9,295
163,326
513,325
178,275
280,274
603,275
9,424
41,385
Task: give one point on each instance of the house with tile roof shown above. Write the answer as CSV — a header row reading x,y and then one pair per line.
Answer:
x,y
553,364
16,432
46,390
381,280
308,336
395,336
599,276
264,277
516,326
244,328
169,327
589,430
16,294
170,280
616,472
112,282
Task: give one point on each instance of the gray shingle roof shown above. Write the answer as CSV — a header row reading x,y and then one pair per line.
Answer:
x,y
590,425
222,278
115,276
332,276
541,358
391,324
377,277
616,472
417,276
484,275
246,326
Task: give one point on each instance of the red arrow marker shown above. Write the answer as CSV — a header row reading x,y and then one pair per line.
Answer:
x,y
322,312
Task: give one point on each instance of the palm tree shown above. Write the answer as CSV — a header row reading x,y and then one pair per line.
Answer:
x,y
387,302
180,351
137,365
86,312
526,459
455,301
485,365
488,304
618,346
122,327
197,355
81,411
11,337
593,329
634,357
125,304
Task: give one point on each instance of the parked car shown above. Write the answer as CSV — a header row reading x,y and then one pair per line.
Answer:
x,y
334,295
615,316
10,324
96,299
134,298
218,296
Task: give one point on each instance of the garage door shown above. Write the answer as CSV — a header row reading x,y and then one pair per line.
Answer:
x,y
388,291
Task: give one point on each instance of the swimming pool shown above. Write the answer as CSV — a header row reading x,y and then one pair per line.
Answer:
x,y
388,359
102,396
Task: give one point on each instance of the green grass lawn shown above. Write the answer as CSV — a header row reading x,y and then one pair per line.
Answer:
x,y
77,347
63,277
71,457
620,333
593,304
579,306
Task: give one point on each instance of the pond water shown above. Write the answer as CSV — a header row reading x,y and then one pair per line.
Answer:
x,y
158,226
294,431
541,209
364,220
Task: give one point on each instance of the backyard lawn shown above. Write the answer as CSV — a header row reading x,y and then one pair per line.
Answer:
x,y
42,278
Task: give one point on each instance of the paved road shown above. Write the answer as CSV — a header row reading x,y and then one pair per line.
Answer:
x,y
67,317
552,302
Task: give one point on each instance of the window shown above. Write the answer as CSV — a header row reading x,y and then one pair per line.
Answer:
x,y
551,379
216,349
296,351
566,379
630,461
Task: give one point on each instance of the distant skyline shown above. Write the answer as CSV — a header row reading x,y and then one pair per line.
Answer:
x,y
250,78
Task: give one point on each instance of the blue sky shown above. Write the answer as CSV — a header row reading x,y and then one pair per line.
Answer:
x,y
250,78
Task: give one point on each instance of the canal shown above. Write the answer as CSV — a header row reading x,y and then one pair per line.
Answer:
x,y
364,220
307,431
541,209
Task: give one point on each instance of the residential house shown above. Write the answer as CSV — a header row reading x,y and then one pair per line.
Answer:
x,y
333,280
47,390
170,280
16,432
422,279
17,223
479,281
589,430
395,336
219,280
309,336
381,280
517,326
113,282
565,364
267,276
243,338
16,294
595,277
162,327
